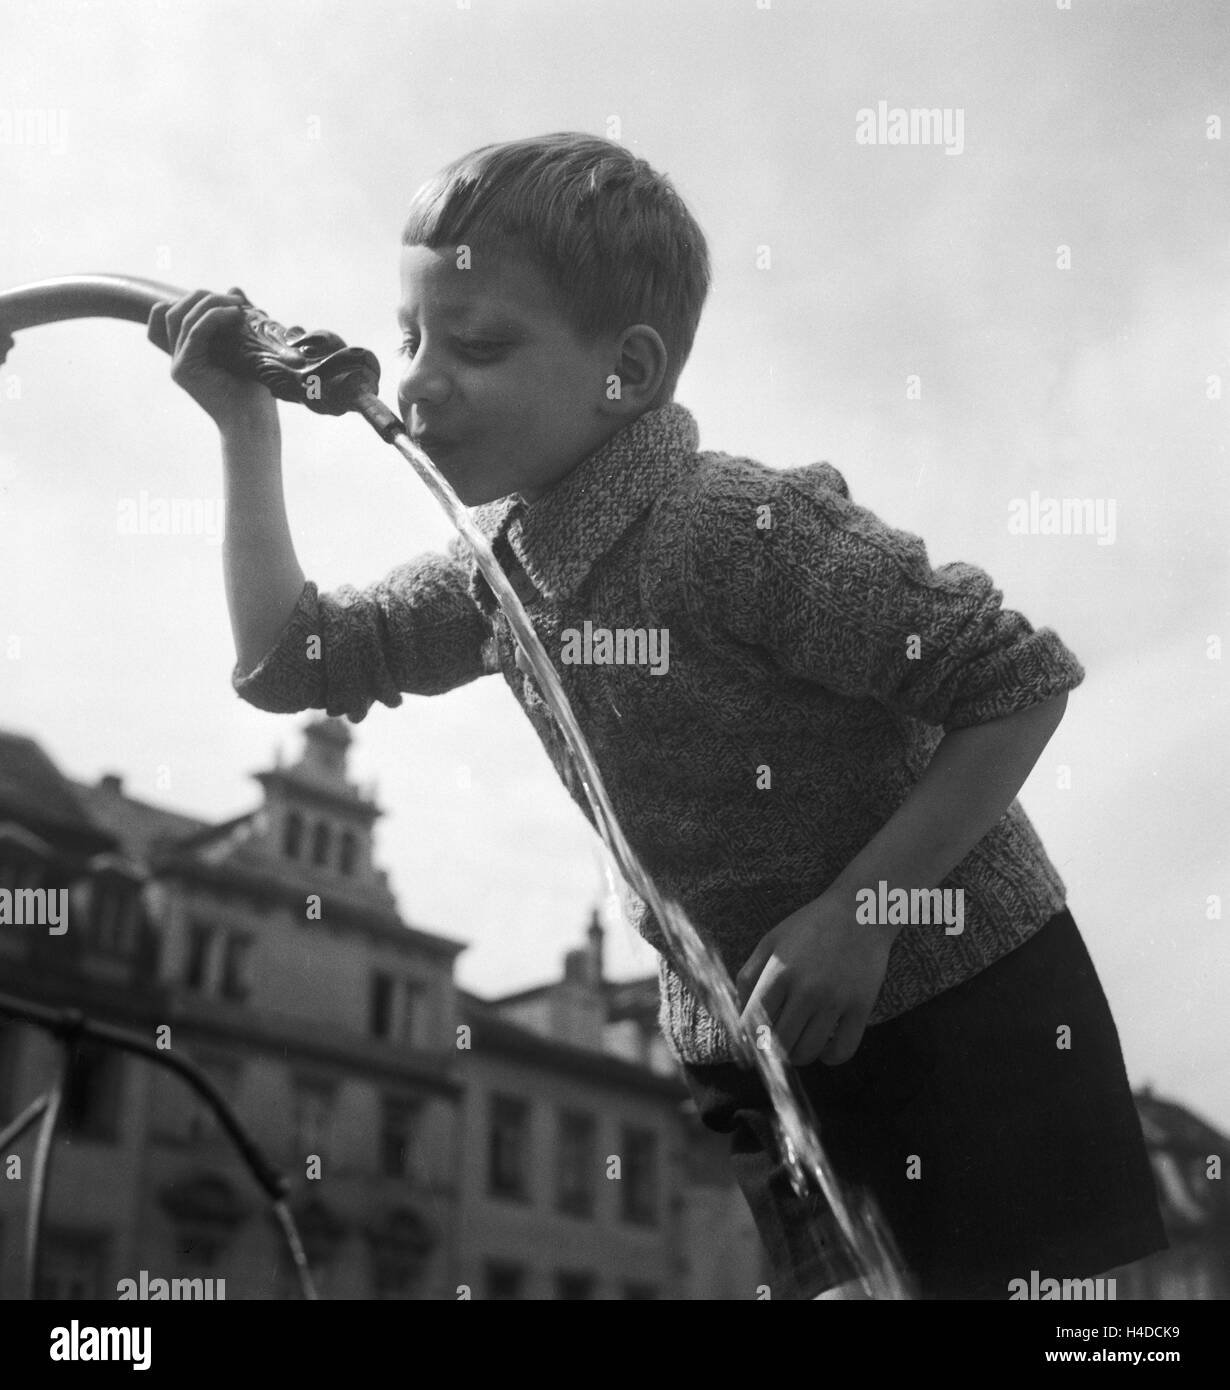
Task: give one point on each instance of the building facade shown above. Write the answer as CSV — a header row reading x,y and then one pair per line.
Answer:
x,y
270,951
436,1145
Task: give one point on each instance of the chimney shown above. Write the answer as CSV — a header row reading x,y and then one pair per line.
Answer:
x,y
595,936
112,782
576,967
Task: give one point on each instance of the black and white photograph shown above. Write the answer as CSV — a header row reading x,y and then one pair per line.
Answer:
x,y
611,664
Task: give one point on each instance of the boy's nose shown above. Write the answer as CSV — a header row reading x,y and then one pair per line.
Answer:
x,y
422,381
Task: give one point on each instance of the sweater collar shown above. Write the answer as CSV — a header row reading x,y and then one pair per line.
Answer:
x,y
560,538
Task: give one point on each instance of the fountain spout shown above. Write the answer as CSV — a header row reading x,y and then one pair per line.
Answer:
x,y
314,369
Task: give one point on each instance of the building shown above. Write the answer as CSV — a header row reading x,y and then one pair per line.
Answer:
x,y
269,949
590,1176
437,1146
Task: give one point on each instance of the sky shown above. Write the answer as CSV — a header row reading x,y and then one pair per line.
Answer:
x,y
1041,311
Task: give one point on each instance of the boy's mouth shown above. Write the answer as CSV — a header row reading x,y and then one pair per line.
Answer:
x,y
434,446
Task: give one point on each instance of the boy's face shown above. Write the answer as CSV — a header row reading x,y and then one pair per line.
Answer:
x,y
497,387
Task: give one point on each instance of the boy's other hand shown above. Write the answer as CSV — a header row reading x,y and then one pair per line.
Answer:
x,y
185,328
816,975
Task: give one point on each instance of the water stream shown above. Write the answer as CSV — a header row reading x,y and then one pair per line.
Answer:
x,y
868,1242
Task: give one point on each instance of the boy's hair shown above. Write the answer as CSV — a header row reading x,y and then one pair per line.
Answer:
x,y
609,232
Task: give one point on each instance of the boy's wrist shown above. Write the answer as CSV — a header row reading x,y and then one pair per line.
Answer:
x,y
252,422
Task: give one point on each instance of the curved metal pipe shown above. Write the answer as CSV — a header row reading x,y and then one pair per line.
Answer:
x,y
78,297
314,369
40,1174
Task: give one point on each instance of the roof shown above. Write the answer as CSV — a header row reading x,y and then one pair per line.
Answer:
x,y
136,824
636,998
34,792
516,997
493,1033
216,852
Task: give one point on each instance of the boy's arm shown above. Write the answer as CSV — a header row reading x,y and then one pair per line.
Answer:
x,y
417,630
261,571
968,785
833,595
837,597
817,974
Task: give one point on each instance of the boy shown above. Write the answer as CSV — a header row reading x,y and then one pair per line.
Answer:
x,y
832,728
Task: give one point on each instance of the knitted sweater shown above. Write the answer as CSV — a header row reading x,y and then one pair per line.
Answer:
x,y
787,616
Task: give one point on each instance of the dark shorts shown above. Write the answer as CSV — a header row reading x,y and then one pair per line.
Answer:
x,y
1027,1155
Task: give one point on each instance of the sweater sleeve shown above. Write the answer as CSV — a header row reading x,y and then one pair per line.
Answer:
x,y
784,562
416,630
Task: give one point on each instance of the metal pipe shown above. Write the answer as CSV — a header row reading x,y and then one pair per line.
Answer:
x,y
79,297
68,1024
39,1173
314,369
11,1133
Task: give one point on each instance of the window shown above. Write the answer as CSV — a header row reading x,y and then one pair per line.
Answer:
x,y
640,1178
509,1145
350,852
313,1117
413,995
570,1285
236,968
292,840
320,843
640,1291
397,1138
91,1106
575,1175
381,1015
200,948
111,915
505,1280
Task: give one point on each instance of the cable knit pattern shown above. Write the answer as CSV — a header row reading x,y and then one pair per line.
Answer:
x,y
805,637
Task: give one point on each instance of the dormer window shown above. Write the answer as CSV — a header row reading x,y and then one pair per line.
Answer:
x,y
293,841
320,843
113,905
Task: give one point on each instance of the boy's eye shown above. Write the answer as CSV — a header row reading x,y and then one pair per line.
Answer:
x,y
482,349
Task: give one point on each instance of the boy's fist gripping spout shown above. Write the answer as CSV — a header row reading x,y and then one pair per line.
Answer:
x,y
185,329
263,577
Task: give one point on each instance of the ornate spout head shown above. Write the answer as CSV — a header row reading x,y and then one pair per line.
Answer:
x,y
314,369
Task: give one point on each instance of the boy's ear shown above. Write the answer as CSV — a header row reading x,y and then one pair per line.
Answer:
x,y
641,361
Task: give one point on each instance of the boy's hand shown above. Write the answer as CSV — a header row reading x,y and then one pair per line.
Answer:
x,y
185,329
816,975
